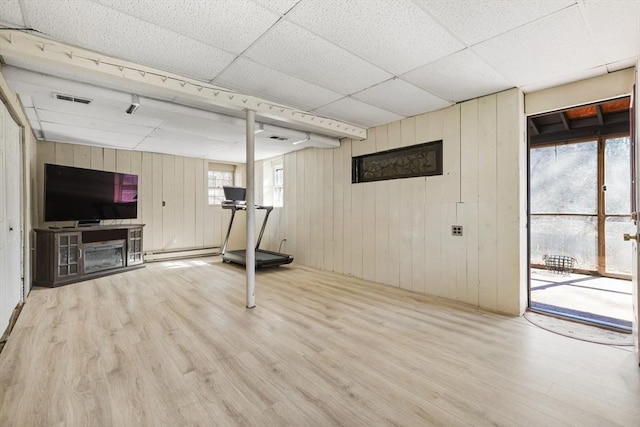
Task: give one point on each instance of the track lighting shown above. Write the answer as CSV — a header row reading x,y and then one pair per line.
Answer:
x,y
135,103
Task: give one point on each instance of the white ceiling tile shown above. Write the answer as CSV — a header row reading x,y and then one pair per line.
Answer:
x,y
206,21
535,43
11,13
401,98
295,51
615,25
556,45
478,20
173,110
120,126
569,78
78,76
114,33
185,147
33,118
458,77
398,36
189,140
278,6
106,105
199,128
43,86
74,134
217,145
27,101
252,78
358,113
100,110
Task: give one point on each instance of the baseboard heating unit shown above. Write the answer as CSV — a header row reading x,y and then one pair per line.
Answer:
x,y
152,256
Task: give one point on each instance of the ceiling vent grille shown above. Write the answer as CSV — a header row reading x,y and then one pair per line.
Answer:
x,y
279,138
71,98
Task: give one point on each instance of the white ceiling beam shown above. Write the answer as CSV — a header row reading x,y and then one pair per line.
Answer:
x,y
26,47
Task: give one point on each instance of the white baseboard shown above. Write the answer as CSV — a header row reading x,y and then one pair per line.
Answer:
x,y
152,256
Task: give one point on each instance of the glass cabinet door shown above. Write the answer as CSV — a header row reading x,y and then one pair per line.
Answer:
x,y
135,246
68,248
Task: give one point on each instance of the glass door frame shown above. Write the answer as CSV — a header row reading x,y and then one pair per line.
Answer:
x,y
600,215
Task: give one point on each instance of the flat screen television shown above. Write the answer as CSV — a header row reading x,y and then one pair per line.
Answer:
x,y
77,194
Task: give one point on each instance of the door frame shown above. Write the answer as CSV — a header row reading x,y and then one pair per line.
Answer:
x,y
635,136
600,214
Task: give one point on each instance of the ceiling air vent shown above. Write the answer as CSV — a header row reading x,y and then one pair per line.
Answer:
x,y
71,98
278,138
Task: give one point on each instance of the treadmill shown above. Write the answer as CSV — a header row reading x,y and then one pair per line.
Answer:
x,y
235,201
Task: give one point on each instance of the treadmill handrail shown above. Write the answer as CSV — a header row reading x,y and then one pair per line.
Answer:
x,y
226,239
227,204
264,225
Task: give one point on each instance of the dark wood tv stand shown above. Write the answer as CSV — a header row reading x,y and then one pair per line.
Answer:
x,y
68,255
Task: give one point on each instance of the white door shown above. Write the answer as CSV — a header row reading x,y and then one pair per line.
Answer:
x,y
10,218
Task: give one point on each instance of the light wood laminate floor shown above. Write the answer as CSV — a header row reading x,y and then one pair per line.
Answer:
x,y
173,345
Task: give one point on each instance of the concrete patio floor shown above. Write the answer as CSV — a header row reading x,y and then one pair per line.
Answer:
x,y
602,300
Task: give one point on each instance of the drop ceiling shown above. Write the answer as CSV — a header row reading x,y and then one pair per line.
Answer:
x,y
363,62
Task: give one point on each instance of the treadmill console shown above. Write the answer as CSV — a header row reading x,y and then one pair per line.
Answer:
x,y
234,194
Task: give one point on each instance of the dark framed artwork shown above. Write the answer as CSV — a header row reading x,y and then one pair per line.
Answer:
x,y
406,162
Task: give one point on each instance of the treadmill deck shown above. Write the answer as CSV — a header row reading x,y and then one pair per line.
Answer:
x,y
263,258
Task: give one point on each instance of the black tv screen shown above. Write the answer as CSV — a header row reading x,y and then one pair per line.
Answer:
x,y
76,194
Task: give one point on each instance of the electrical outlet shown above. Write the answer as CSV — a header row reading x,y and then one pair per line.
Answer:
x,y
456,230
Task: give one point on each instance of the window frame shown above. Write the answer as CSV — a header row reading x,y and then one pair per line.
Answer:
x,y
278,200
215,194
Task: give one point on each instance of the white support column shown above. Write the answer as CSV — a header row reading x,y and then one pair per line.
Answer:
x,y
251,212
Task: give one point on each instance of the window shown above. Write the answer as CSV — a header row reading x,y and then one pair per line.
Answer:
x,y
278,186
273,182
406,162
216,179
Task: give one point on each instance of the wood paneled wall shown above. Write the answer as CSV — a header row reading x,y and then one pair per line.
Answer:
x,y
185,221
398,232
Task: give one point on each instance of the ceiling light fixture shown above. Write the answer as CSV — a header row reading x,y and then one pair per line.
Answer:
x,y
135,103
259,128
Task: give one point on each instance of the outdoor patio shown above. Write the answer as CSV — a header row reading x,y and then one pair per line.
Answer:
x,y
602,300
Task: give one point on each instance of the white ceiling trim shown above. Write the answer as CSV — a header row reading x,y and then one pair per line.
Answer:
x,y
22,46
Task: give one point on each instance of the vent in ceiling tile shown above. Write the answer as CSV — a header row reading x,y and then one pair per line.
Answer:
x,y
72,98
279,138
